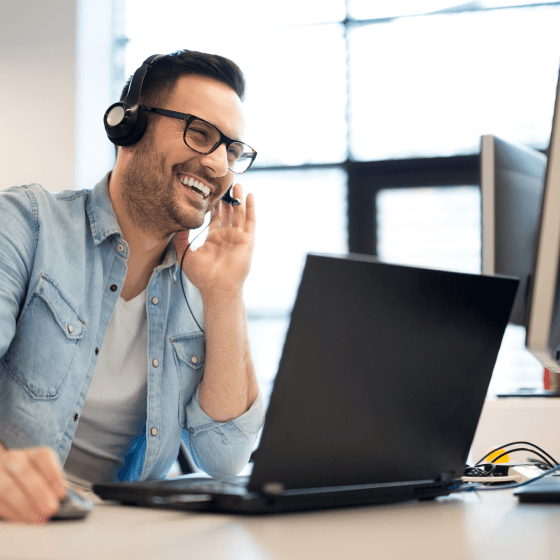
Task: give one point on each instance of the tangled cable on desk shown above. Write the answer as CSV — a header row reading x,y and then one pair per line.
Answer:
x,y
481,476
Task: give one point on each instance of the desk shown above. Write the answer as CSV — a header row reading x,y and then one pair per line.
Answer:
x,y
491,526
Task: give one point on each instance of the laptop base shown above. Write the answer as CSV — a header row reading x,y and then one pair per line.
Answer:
x,y
169,496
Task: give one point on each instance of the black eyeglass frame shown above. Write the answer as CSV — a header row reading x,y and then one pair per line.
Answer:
x,y
189,119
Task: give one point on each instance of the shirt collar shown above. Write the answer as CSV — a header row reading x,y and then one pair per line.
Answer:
x,y
102,217
103,221
170,258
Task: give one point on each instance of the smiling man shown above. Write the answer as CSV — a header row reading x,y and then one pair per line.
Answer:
x,y
106,363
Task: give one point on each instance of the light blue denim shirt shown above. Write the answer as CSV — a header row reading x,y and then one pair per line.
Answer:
x,y
62,267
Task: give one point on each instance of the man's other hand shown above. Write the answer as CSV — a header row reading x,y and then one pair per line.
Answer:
x,y
31,484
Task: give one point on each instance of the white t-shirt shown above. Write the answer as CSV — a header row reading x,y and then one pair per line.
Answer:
x,y
115,408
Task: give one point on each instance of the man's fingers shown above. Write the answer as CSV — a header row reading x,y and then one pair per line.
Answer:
x,y
225,214
48,465
8,514
25,494
250,214
238,211
216,218
31,484
14,505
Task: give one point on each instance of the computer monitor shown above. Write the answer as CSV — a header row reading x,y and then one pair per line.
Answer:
x,y
543,324
511,179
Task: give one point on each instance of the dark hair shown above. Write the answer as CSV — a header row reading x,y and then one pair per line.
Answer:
x,y
165,71
163,74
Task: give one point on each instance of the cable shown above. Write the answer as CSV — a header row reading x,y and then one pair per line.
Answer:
x,y
474,487
232,202
480,470
471,483
181,268
479,474
554,461
524,449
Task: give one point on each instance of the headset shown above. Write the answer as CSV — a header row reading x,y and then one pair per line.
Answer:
x,y
125,123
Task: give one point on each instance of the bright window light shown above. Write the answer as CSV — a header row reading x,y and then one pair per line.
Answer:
x,y
436,227
366,9
295,107
432,85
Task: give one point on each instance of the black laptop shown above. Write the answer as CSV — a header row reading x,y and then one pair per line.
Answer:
x,y
378,394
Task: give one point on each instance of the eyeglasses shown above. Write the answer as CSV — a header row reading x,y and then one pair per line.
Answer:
x,y
204,138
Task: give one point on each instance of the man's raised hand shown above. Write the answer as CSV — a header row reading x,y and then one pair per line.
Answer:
x,y
222,263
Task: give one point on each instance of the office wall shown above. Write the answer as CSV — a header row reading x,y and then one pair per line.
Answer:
x,y
54,63
37,92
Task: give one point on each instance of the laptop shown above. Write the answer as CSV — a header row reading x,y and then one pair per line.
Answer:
x,y
379,390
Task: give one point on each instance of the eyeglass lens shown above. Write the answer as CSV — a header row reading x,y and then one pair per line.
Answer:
x,y
202,137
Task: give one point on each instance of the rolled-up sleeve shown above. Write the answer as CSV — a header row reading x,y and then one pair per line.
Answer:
x,y
222,448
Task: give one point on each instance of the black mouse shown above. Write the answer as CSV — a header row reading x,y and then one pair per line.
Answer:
x,y
73,506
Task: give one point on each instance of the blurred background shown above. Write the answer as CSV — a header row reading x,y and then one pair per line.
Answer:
x,y
366,115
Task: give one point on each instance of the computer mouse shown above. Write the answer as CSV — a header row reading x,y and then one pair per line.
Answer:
x,y
73,506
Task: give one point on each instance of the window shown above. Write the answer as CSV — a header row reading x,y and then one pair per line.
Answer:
x,y
367,117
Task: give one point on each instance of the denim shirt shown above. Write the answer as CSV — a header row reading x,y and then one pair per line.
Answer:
x,y
62,267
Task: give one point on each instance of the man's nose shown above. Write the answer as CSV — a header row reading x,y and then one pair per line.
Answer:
x,y
216,161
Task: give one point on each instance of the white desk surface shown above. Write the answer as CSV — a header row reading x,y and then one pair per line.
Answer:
x,y
492,526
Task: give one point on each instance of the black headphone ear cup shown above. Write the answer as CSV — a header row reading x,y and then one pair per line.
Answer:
x,y
137,130
125,126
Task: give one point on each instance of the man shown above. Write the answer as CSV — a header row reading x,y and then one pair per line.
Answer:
x,y
90,282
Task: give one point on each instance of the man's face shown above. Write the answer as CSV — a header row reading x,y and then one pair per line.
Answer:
x,y
154,189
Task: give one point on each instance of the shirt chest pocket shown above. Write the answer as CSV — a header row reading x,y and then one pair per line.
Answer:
x,y
48,333
189,352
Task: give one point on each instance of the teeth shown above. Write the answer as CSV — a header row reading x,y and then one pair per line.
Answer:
x,y
202,187
192,182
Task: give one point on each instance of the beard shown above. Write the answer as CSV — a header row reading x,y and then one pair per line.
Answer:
x,y
149,193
